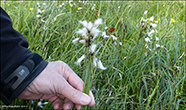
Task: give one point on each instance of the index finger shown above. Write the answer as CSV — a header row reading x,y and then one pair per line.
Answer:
x,y
74,80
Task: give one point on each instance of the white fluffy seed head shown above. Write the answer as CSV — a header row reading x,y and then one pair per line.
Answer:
x,y
147,39
80,60
145,12
100,65
95,32
93,48
104,35
84,23
151,18
114,37
157,46
82,31
89,26
157,39
95,62
153,25
76,40
144,20
97,22
83,41
150,33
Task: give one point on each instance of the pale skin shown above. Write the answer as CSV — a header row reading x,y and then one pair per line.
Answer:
x,y
58,81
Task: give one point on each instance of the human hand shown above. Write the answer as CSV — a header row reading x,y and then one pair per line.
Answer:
x,y
58,81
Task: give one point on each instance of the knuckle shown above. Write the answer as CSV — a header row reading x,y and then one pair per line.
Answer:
x,y
74,94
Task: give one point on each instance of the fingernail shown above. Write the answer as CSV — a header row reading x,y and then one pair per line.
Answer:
x,y
85,99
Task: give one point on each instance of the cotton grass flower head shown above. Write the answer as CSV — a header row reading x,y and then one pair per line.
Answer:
x,y
97,63
91,28
76,40
100,65
150,33
38,16
147,39
158,46
93,48
104,35
89,33
80,60
145,12
151,18
153,25
93,7
94,32
97,22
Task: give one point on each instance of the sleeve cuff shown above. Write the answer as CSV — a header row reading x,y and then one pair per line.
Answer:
x,y
35,65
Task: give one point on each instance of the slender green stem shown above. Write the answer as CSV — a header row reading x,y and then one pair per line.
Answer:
x,y
87,74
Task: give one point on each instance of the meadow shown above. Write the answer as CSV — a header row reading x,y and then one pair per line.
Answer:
x,y
144,70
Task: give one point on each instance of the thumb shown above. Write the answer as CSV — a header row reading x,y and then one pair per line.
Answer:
x,y
65,89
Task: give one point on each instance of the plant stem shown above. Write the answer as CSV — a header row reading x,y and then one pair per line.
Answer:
x,y
87,74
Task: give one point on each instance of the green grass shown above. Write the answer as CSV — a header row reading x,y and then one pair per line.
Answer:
x,y
128,82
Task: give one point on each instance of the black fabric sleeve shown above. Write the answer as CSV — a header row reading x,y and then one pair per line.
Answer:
x,y
15,52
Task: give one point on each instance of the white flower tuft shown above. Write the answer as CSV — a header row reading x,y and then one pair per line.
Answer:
x,y
83,32
153,25
114,37
157,39
43,3
95,62
144,20
104,35
105,27
89,26
76,40
147,39
97,22
93,48
150,33
158,46
85,36
93,7
84,23
145,12
55,18
38,16
120,43
43,20
153,74
39,103
151,18
95,32
38,4
80,60
39,11
83,41
45,103
100,65
61,5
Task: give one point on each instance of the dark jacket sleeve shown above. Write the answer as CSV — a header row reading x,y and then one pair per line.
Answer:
x,y
19,66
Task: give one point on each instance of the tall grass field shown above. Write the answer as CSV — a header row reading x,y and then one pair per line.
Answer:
x,y
146,70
